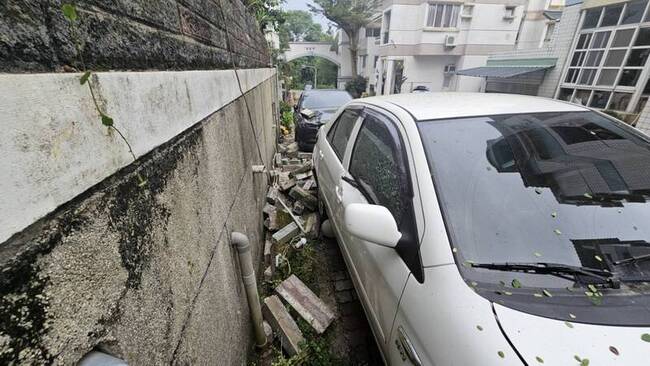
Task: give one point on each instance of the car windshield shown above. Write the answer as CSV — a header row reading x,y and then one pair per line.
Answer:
x,y
325,99
562,188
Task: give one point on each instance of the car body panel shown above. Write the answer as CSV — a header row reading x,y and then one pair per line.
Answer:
x,y
557,343
442,317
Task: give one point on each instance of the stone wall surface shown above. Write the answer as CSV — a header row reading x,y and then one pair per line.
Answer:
x,y
130,35
146,273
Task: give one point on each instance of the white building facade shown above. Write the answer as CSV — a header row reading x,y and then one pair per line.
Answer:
x,y
422,43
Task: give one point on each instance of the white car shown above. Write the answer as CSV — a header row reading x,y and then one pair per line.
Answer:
x,y
486,229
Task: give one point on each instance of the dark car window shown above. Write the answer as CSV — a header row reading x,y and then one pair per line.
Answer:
x,y
339,133
320,99
566,188
376,165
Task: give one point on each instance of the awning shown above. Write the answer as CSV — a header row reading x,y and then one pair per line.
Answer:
x,y
501,71
553,14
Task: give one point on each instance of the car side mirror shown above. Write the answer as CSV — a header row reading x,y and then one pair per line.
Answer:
x,y
372,223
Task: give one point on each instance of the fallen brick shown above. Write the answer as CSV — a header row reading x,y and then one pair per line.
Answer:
x,y
268,209
309,184
268,331
268,252
306,303
303,176
286,233
285,182
283,324
298,208
272,195
304,155
311,225
271,222
308,199
303,168
268,273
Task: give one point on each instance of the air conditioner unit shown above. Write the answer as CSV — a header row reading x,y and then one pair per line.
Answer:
x,y
450,69
450,41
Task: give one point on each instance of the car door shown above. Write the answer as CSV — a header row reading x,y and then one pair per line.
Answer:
x,y
330,157
378,173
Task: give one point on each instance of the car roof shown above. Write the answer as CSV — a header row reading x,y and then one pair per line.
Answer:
x,y
442,105
311,91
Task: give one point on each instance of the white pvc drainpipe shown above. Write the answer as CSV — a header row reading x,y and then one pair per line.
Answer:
x,y
240,241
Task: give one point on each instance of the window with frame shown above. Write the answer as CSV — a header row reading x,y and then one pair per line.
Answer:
x,y
384,180
440,15
550,29
386,34
339,133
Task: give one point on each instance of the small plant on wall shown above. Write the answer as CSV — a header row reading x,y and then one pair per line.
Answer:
x,y
70,12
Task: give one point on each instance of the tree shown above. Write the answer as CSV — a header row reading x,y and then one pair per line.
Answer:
x,y
299,26
350,16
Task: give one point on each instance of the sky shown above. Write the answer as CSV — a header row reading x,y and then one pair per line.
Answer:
x,y
302,5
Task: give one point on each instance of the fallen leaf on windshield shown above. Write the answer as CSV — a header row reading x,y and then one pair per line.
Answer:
x,y
516,283
538,190
587,195
501,354
547,293
537,254
613,350
537,294
554,214
569,325
539,359
558,232
598,258
479,327
572,316
645,337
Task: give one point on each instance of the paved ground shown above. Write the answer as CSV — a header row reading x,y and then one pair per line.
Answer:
x,y
353,339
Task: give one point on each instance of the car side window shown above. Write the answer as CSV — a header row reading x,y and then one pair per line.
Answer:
x,y
377,165
339,134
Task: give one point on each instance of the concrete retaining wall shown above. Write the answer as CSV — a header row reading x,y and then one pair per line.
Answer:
x,y
130,35
94,260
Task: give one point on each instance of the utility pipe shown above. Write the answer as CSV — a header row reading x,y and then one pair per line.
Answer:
x,y
240,241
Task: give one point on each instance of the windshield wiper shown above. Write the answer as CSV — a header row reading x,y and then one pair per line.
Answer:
x,y
632,259
556,269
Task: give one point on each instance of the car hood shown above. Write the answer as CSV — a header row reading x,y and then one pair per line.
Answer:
x,y
558,342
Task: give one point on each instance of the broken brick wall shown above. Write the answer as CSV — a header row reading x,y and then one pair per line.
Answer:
x,y
130,35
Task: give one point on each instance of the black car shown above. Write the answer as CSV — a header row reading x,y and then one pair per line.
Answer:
x,y
314,109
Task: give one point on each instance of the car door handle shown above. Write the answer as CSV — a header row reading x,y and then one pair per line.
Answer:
x,y
339,194
406,347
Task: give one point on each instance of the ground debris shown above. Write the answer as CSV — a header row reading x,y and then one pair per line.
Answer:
x,y
283,324
306,303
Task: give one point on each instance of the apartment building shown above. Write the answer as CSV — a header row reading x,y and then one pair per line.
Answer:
x,y
423,43
597,57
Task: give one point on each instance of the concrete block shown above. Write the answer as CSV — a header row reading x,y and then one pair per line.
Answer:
x,y
292,150
268,331
303,168
285,182
268,273
271,222
306,303
309,184
281,321
309,200
311,225
268,252
268,209
272,195
298,208
286,233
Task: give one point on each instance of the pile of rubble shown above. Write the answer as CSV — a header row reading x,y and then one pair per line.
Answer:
x,y
291,218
